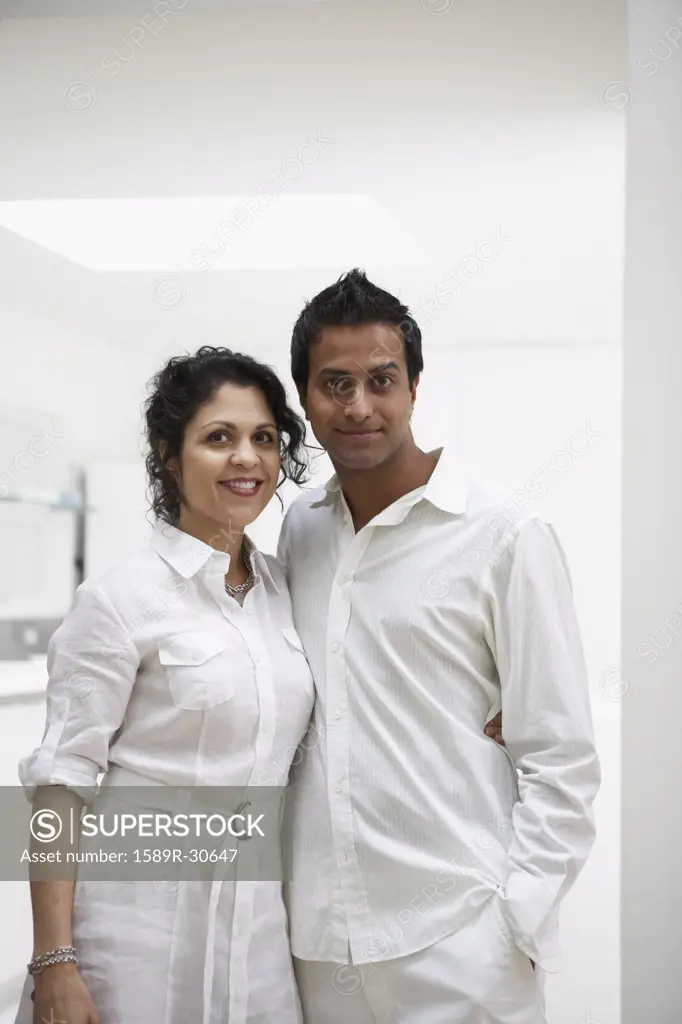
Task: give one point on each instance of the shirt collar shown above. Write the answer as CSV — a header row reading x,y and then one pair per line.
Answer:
x,y
187,554
447,487
331,491
261,569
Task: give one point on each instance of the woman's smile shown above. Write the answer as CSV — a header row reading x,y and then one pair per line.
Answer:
x,y
243,487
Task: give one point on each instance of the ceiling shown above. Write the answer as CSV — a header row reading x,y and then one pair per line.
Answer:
x,y
116,8
399,136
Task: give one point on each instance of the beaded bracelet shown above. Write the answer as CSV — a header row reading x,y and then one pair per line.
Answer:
x,y
62,955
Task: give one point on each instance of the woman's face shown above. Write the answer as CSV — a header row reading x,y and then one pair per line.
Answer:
x,y
229,465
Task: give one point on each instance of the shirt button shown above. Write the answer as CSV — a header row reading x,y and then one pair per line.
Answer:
x,y
345,579
337,714
335,647
339,787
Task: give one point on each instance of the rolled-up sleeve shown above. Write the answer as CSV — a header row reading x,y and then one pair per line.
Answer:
x,y
92,664
548,732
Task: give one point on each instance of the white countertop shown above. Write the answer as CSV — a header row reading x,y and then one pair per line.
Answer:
x,y
18,678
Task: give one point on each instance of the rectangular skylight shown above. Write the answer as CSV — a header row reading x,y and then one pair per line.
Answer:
x,y
267,231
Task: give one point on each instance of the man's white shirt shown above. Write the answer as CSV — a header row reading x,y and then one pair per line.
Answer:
x,y
419,628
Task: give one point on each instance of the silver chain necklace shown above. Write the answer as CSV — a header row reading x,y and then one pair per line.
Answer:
x,y
241,588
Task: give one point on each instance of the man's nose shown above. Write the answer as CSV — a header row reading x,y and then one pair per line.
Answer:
x,y
360,407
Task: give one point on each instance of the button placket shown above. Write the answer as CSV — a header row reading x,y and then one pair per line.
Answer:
x,y
338,617
256,642
353,895
338,739
337,752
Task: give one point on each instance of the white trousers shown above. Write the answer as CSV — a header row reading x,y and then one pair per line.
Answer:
x,y
476,976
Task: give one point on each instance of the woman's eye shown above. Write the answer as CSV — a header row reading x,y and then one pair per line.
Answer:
x,y
218,436
266,439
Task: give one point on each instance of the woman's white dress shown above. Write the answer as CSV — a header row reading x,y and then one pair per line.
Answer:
x,y
156,676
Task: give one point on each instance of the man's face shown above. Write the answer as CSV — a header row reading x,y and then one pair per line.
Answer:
x,y
358,399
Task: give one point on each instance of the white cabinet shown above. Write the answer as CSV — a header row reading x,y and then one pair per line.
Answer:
x,y
22,712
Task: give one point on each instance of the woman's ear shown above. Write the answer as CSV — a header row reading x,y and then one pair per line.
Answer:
x,y
171,464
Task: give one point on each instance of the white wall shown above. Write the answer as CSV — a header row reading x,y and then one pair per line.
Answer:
x,y
652,497
486,120
515,413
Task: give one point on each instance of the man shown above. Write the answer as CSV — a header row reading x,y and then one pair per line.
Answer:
x,y
426,855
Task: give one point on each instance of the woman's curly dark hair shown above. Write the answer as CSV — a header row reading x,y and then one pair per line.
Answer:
x,y
179,390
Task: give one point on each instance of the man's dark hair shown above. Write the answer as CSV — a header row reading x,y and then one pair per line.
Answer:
x,y
351,301
179,390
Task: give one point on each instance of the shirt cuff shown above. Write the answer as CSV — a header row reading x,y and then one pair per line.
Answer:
x,y
532,912
76,774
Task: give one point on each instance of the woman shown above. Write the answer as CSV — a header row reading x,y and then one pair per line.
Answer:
x,y
195,678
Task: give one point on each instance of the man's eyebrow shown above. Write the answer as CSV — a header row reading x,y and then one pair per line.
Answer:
x,y
334,371
382,367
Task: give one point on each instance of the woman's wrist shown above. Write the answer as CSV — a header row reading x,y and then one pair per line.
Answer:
x,y
50,981
64,970
57,956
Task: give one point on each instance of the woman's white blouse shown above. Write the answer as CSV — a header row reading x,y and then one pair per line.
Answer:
x,y
157,671
157,676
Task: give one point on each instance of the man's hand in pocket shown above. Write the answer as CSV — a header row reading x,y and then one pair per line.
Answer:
x,y
494,729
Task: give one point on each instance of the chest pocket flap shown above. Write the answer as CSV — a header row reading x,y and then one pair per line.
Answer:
x,y
193,648
203,667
